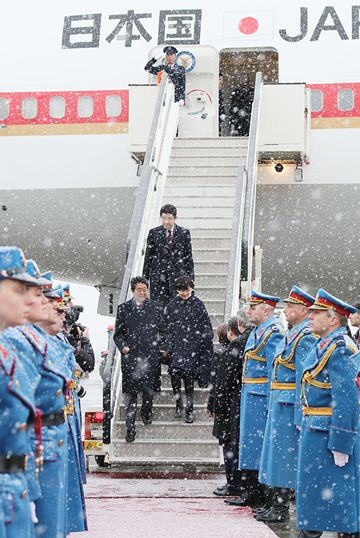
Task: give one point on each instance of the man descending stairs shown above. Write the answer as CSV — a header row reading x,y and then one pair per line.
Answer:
x,y
201,183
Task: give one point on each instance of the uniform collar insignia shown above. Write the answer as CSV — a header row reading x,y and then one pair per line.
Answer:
x,y
7,359
37,340
324,343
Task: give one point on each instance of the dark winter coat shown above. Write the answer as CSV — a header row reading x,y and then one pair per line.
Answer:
x,y
176,74
189,336
215,363
140,329
240,110
226,406
164,263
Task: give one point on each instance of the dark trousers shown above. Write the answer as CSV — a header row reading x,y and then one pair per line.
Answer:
x,y
234,476
176,377
131,408
252,489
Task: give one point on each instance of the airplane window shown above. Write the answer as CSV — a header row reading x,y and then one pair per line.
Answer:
x,y
317,100
113,106
4,108
345,99
57,107
29,108
85,106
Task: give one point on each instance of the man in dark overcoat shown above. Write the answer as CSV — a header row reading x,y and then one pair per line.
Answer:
x,y
188,342
176,72
168,255
138,332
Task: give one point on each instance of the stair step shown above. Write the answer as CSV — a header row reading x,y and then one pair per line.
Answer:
x,y
188,182
211,267
169,430
210,242
184,449
207,161
166,395
202,223
222,152
201,201
211,280
166,463
203,171
221,141
200,191
224,233
213,254
206,293
165,412
205,212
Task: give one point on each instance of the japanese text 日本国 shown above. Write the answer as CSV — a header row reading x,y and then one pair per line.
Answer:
x,y
175,27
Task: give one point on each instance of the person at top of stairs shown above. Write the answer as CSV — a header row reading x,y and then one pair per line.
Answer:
x,y
188,342
168,255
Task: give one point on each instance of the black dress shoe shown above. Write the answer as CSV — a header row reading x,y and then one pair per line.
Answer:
x,y
221,487
273,515
309,534
240,501
189,418
147,420
130,436
178,409
227,491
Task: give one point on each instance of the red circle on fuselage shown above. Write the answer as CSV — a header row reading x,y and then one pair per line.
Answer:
x,y
248,25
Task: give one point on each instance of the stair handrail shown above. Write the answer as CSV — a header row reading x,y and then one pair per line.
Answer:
x,y
243,214
145,214
250,192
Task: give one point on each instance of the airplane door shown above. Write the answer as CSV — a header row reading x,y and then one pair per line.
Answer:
x,y
199,115
238,67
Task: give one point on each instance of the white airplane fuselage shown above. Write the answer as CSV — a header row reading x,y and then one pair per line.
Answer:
x,y
67,183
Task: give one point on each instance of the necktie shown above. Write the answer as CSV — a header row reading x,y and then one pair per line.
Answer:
x,y
169,239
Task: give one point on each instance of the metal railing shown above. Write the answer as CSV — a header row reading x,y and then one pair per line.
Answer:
x,y
242,236
144,217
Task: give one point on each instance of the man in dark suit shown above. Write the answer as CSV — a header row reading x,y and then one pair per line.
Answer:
x,y
175,72
138,332
168,255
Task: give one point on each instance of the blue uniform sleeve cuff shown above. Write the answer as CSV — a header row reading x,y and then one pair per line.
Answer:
x,y
341,440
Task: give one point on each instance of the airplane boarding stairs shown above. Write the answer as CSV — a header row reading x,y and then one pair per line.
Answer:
x,y
201,183
214,192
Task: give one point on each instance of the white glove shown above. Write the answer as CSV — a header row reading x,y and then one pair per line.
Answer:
x,y
157,58
298,428
34,519
340,459
181,102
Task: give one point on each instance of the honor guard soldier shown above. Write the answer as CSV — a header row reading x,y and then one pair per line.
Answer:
x,y
75,498
17,408
328,491
46,374
278,465
258,359
175,72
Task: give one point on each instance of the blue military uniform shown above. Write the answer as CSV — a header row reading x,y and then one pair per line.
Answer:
x,y
328,495
278,466
38,353
76,510
258,358
17,410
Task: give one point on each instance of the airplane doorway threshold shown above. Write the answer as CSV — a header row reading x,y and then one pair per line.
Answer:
x,y
239,67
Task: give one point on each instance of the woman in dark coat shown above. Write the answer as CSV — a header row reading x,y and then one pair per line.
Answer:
x,y
221,331
189,344
138,330
226,404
